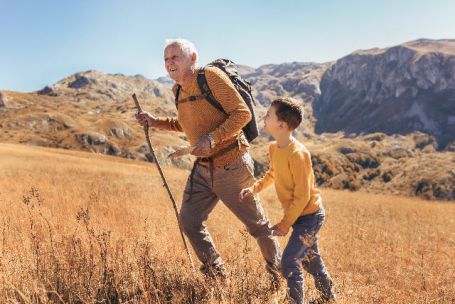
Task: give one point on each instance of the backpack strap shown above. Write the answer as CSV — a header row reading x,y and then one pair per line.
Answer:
x,y
189,98
206,92
177,93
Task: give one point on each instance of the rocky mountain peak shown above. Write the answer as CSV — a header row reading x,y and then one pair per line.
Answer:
x,y
397,90
93,85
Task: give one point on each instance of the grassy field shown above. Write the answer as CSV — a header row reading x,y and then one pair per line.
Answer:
x,y
85,228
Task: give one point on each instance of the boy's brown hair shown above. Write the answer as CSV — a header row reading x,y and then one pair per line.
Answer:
x,y
288,111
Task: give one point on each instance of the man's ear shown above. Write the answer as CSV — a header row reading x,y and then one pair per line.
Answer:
x,y
193,57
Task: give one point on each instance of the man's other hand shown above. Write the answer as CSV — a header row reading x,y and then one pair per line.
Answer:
x,y
245,193
202,148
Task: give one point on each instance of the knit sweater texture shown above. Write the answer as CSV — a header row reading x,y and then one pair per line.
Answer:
x,y
198,118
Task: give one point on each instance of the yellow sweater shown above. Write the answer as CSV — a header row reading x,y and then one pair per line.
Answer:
x,y
198,118
292,171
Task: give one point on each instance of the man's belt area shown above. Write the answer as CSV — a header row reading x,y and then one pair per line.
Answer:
x,y
205,161
208,162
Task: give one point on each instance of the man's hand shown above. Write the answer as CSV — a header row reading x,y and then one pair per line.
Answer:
x,y
277,231
202,148
245,193
146,119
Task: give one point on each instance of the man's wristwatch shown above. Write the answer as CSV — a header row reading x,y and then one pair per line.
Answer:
x,y
212,141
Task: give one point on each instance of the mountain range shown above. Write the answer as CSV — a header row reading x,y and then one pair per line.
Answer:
x,y
372,118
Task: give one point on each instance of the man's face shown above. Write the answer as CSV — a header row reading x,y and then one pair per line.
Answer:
x,y
271,123
176,62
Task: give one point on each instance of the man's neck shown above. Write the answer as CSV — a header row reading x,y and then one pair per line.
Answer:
x,y
283,140
185,83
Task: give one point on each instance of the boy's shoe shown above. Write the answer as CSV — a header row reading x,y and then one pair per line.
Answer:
x,y
214,271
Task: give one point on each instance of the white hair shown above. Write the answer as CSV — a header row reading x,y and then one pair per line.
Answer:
x,y
185,45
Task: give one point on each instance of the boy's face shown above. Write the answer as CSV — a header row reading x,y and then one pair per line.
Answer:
x,y
272,125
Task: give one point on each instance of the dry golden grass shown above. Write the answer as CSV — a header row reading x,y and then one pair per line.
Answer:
x,y
86,228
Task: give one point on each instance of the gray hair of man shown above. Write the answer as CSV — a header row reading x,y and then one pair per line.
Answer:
x,y
186,46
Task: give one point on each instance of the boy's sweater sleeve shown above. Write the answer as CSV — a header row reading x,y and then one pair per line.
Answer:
x,y
268,177
301,168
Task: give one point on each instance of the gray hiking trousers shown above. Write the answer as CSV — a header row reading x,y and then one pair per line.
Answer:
x,y
200,198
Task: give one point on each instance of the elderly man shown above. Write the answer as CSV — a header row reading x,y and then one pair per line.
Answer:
x,y
223,166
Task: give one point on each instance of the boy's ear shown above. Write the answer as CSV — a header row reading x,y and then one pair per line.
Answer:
x,y
284,126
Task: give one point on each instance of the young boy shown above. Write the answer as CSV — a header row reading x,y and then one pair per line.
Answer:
x,y
292,172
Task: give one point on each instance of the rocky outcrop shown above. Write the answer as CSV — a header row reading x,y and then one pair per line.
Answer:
x,y
49,90
96,85
3,99
115,128
296,79
398,90
395,164
90,138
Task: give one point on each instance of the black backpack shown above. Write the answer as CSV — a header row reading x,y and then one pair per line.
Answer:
x,y
243,87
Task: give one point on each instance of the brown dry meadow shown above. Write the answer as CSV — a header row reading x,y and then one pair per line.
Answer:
x,y
85,228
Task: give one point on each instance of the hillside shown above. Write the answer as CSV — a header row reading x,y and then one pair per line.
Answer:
x,y
375,162
91,123
367,117
83,227
397,90
297,79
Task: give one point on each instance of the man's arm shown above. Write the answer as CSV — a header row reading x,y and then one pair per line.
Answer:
x,y
168,123
165,123
225,93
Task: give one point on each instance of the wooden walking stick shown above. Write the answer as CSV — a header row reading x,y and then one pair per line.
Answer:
x,y
166,185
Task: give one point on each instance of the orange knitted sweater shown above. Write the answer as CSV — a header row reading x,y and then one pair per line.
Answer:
x,y
198,118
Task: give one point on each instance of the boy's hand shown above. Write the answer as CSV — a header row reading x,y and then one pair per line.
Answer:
x,y
245,193
277,231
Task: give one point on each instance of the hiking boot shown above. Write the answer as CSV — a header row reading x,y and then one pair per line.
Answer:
x,y
326,299
275,276
214,271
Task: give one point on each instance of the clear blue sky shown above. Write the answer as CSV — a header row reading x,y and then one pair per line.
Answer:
x,y
44,41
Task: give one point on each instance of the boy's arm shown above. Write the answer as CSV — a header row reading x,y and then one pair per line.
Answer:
x,y
301,168
263,182
268,177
